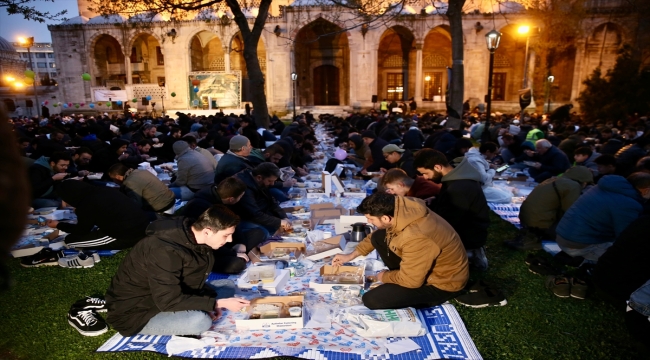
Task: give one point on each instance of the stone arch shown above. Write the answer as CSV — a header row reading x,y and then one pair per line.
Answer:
x,y
237,62
436,57
602,44
135,36
206,51
145,54
107,59
319,43
396,83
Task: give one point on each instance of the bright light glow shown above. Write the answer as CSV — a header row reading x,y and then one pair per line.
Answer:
x,y
19,85
22,40
427,78
10,78
524,29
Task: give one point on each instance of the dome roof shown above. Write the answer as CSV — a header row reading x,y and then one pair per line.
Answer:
x,y
75,20
6,45
110,19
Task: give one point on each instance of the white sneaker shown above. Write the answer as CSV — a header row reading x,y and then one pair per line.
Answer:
x,y
96,257
78,261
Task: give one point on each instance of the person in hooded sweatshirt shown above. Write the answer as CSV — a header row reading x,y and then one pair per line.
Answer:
x,y
427,264
461,200
106,218
598,217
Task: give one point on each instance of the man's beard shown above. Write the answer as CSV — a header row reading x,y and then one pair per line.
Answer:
x,y
436,176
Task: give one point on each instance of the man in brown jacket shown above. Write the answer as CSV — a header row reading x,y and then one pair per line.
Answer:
x,y
427,262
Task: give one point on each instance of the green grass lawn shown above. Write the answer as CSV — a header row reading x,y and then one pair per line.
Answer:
x,y
534,325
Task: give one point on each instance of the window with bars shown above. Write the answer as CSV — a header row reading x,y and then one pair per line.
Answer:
x,y
159,56
432,85
395,86
499,86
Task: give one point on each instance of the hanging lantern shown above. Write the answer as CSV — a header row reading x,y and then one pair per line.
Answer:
x,y
119,102
134,100
196,82
196,89
91,105
108,103
173,94
148,97
85,76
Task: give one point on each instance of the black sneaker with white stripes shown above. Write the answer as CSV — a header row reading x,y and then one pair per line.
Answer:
x,y
87,322
91,303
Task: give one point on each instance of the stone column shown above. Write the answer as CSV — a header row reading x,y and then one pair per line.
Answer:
x,y
226,59
129,75
418,73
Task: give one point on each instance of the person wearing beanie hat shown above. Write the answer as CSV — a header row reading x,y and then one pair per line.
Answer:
x,y
400,159
543,208
375,145
235,160
194,171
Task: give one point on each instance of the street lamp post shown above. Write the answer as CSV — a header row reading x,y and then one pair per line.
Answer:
x,y
492,39
524,29
549,81
294,77
28,43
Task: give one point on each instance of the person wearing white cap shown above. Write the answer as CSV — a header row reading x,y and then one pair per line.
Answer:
x,y
514,128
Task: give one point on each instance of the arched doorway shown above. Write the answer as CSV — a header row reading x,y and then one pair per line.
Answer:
x,y
237,62
436,57
326,85
147,60
108,60
396,64
322,58
206,52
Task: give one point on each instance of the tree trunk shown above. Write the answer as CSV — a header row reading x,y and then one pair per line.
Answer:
x,y
251,38
457,86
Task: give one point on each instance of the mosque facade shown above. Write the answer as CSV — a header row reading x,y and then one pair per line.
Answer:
x,y
198,64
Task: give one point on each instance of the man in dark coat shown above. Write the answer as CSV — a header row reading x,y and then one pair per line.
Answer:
x,y
235,160
159,289
42,176
257,206
400,158
375,145
551,161
461,201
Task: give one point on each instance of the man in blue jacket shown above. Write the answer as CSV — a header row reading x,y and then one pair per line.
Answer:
x,y
598,217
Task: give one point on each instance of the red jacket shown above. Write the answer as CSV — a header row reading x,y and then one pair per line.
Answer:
x,y
423,188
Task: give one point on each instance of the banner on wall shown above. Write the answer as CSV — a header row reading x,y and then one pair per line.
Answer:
x,y
110,95
223,90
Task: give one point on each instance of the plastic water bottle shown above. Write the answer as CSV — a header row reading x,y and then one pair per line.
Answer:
x,y
256,291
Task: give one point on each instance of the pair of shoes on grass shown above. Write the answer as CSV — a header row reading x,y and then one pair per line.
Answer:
x,y
480,295
84,318
540,265
565,287
49,257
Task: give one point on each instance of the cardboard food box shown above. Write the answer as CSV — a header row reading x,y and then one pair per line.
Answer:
x,y
281,278
319,286
283,322
324,211
263,253
332,246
